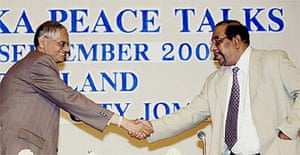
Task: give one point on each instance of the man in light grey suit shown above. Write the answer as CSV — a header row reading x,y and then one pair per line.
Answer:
x,y
32,94
269,102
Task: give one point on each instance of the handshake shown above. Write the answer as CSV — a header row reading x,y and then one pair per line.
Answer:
x,y
139,129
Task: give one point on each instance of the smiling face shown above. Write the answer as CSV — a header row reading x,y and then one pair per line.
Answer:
x,y
222,47
225,50
55,44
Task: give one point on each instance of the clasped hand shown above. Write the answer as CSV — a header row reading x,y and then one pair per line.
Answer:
x,y
139,129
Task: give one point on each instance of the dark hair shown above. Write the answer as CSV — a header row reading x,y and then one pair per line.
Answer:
x,y
46,28
234,28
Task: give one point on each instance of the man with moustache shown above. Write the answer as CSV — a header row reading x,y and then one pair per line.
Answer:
x,y
265,96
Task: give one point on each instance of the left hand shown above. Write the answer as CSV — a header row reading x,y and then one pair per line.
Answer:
x,y
283,136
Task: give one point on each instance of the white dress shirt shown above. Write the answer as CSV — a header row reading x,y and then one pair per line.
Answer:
x,y
248,142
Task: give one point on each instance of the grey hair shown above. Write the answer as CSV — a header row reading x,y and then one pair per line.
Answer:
x,y
49,29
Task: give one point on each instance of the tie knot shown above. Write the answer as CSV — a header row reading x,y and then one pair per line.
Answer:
x,y
235,69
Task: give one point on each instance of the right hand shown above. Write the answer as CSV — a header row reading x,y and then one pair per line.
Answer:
x,y
146,131
138,129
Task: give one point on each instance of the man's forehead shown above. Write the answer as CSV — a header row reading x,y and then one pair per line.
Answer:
x,y
62,33
219,30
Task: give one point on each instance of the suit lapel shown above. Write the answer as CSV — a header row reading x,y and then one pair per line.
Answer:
x,y
254,72
221,87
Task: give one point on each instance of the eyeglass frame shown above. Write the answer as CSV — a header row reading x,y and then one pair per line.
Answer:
x,y
217,41
62,44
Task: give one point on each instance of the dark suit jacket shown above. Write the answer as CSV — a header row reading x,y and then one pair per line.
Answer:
x,y
32,94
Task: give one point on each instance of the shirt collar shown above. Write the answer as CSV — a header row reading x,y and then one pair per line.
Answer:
x,y
243,63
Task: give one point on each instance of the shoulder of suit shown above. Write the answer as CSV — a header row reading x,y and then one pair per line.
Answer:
x,y
42,58
268,52
218,73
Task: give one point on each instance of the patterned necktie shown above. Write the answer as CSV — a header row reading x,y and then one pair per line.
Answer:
x,y
232,113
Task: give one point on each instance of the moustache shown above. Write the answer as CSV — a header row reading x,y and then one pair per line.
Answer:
x,y
216,53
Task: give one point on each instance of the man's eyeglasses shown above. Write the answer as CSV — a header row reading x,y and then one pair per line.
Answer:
x,y
61,44
217,41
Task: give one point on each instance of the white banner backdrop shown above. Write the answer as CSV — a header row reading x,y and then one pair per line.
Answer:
x,y
141,59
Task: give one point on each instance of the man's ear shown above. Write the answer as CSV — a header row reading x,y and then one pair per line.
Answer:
x,y
237,41
42,41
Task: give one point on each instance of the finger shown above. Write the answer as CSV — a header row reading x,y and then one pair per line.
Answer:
x,y
147,129
142,136
138,121
138,136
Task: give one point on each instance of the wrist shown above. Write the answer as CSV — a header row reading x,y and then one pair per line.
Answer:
x,y
115,119
124,123
120,121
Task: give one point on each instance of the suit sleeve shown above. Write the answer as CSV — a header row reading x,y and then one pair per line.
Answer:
x,y
290,76
45,80
186,118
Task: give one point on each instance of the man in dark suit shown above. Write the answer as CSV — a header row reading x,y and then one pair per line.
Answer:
x,y
268,115
32,94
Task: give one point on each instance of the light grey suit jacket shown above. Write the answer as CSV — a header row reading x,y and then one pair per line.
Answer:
x,y
275,102
32,94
